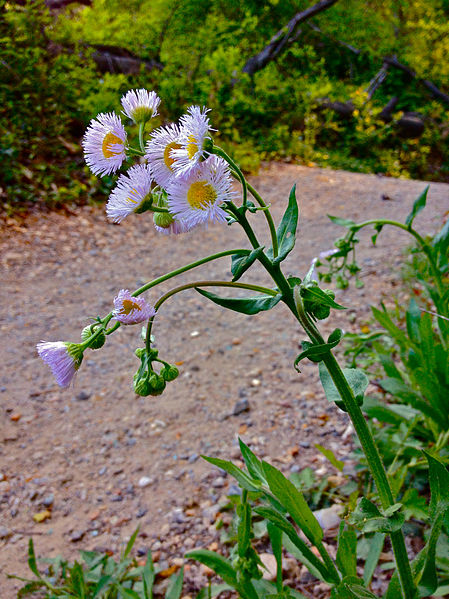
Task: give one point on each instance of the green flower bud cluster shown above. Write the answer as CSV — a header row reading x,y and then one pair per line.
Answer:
x,y
316,307
88,332
146,380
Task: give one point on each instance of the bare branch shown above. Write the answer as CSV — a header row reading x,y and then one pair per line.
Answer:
x,y
282,38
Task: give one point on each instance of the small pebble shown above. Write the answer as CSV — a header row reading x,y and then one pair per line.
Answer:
x,y
145,481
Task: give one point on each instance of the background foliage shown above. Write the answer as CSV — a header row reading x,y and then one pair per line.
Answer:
x,y
193,51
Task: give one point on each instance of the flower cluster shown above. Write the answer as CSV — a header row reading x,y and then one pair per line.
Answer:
x,y
182,182
177,177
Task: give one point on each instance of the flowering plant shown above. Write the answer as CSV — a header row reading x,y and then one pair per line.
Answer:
x,y
185,180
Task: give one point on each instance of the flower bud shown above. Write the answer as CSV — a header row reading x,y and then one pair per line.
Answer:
x,y
141,387
157,384
163,219
99,340
169,373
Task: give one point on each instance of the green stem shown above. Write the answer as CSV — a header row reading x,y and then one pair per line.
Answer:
x,y
220,152
167,295
328,561
141,142
187,267
421,242
368,445
260,201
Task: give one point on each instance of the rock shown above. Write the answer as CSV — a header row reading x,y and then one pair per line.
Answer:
x,y
82,396
269,561
141,512
77,535
145,481
4,532
218,482
242,405
48,500
329,517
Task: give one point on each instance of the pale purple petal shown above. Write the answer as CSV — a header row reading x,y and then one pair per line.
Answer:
x,y
62,363
104,144
131,310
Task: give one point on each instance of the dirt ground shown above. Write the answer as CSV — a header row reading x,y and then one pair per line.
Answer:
x,y
103,461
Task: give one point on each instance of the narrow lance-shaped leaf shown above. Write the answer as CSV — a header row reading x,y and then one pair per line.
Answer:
x,y
253,464
294,502
175,588
241,477
286,232
418,205
244,305
347,550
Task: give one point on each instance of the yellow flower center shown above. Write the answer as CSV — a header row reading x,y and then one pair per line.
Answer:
x,y
201,195
167,158
192,147
128,306
109,139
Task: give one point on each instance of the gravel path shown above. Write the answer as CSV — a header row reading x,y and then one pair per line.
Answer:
x,y
103,461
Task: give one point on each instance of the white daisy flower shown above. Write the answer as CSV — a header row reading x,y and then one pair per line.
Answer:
x,y
140,105
194,134
197,198
158,153
104,144
131,310
63,358
132,189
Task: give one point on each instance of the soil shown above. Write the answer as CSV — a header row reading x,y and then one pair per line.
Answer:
x,y
101,461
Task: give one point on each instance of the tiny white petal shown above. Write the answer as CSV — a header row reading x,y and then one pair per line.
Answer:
x,y
104,144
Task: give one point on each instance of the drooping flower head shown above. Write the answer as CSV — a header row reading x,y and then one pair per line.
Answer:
x,y
130,194
131,310
104,144
159,153
197,198
63,358
140,105
194,134
167,224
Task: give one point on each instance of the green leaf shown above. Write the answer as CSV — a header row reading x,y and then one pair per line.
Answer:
x,y
244,305
32,559
130,543
241,263
329,454
316,351
368,518
413,318
356,378
275,535
252,462
219,564
343,222
372,559
148,575
347,550
77,580
101,584
293,501
212,591
286,232
174,590
441,240
244,528
308,558
384,320
418,205
241,477
127,593
29,588
351,590
423,566
317,296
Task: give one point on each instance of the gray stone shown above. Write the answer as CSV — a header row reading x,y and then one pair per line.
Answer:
x,y
242,405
